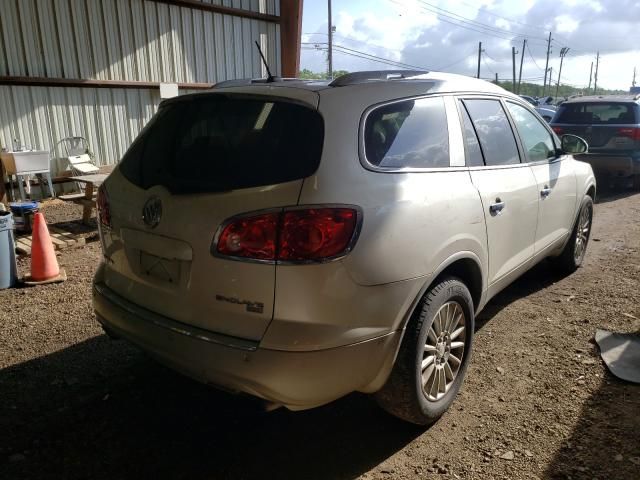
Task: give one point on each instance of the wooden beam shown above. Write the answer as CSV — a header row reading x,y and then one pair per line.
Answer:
x,y
88,83
290,32
237,12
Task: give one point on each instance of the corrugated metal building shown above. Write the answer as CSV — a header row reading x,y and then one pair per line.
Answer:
x,y
92,68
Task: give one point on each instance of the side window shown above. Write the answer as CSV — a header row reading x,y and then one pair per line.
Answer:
x,y
408,134
537,140
494,132
471,144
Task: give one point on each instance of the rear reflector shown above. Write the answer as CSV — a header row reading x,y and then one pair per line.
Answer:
x,y
293,236
558,130
630,132
102,206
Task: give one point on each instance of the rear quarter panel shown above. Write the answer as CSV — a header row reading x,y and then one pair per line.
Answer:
x,y
413,222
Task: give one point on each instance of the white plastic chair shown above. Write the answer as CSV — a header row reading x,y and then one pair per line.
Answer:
x,y
82,165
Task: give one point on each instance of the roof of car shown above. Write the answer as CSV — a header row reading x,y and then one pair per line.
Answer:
x,y
605,98
434,81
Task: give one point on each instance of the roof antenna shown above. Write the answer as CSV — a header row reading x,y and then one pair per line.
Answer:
x,y
270,78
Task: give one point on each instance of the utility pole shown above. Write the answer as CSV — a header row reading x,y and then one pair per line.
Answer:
x,y
513,61
524,45
595,78
497,82
563,52
590,74
330,43
479,57
546,67
633,82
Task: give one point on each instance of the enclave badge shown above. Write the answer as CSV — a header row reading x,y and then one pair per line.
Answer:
x,y
152,212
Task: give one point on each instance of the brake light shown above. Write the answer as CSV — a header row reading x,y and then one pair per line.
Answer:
x,y
300,235
102,207
250,237
316,233
631,132
558,130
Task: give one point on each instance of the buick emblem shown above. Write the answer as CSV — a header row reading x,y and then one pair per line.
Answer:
x,y
152,212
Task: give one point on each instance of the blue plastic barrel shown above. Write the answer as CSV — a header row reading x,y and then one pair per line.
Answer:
x,y
23,213
8,268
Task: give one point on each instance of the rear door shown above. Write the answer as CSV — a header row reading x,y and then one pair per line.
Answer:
x,y
554,175
202,160
507,187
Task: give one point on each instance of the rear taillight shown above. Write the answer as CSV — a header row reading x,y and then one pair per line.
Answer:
x,y
631,132
292,236
250,237
102,206
558,130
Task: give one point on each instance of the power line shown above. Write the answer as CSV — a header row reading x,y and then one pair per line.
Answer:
x,y
464,19
534,60
380,58
363,55
510,20
443,18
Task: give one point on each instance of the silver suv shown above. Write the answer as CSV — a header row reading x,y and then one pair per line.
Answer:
x,y
301,240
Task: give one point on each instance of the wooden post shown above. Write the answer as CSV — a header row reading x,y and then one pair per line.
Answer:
x,y
290,32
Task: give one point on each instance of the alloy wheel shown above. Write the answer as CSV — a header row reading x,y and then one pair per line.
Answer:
x,y
443,350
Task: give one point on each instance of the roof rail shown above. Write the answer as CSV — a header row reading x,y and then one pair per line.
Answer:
x,y
375,76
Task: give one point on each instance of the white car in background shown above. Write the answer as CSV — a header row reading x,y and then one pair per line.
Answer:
x,y
301,240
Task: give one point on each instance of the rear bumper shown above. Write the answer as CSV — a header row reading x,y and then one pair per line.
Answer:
x,y
611,165
295,379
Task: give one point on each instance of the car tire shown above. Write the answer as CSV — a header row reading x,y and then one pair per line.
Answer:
x,y
574,251
636,182
433,332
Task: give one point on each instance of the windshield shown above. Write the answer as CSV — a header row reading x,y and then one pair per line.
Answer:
x,y
224,142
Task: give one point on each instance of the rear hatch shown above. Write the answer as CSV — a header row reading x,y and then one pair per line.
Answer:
x,y
201,160
609,127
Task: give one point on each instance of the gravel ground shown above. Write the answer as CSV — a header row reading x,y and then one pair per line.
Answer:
x,y
537,401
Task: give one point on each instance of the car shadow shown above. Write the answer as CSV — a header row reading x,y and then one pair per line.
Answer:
x,y
538,278
606,436
607,193
102,409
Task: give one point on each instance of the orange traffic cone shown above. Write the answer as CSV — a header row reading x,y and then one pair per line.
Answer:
x,y
44,264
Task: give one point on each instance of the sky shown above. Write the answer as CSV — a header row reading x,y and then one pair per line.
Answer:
x,y
444,36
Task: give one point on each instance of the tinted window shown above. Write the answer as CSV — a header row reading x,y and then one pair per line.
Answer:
x,y
596,113
411,133
494,131
225,142
536,138
471,145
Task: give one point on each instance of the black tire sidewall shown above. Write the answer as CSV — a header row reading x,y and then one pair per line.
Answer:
x,y
454,290
587,202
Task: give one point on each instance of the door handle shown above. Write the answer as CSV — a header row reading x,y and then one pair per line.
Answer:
x,y
497,207
544,193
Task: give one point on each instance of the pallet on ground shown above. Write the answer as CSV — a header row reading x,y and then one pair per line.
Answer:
x,y
60,239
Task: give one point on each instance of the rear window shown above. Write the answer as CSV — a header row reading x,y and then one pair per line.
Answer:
x,y
596,113
225,142
408,134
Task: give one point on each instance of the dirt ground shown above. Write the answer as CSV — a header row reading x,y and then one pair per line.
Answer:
x,y
537,401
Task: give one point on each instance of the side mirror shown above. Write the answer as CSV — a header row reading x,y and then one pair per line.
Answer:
x,y
574,144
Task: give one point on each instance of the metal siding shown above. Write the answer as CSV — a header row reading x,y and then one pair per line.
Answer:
x,y
131,40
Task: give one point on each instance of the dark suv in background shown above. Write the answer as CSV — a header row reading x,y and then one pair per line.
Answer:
x,y
611,127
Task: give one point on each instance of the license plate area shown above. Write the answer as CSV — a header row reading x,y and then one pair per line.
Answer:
x,y
164,271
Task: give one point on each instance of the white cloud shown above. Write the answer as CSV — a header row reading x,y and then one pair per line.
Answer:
x,y
406,31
